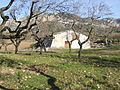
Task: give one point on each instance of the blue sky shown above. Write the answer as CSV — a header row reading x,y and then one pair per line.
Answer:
x,y
114,4
115,7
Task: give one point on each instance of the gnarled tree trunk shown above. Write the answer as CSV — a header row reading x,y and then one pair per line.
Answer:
x,y
80,50
16,49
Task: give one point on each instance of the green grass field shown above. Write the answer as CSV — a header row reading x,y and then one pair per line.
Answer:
x,y
98,69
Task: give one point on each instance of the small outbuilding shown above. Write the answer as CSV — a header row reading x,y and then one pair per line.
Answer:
x,y
62,38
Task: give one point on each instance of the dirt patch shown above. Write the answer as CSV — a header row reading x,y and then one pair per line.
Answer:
x,y
23,45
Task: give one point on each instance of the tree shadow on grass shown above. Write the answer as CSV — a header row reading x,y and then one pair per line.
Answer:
x,y
47,53
51,80
102,62
66,55
4,88
5,52
9,62
92,60
50,52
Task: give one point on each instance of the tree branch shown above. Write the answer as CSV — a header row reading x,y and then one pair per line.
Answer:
x,y
5,18
88,36
41,12
29,18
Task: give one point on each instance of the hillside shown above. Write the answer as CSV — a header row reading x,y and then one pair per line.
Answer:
x,y
57,23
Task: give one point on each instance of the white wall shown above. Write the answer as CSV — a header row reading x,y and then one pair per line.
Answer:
x,y
61,37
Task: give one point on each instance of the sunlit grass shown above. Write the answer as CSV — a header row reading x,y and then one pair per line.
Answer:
x,y
97,69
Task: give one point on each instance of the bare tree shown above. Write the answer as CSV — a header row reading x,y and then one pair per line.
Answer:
x,y
92,13
2,24
18,35
75,27
4,17
105,33
42,42
37,8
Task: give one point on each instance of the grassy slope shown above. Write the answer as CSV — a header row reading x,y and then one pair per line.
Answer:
x,y
98,69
